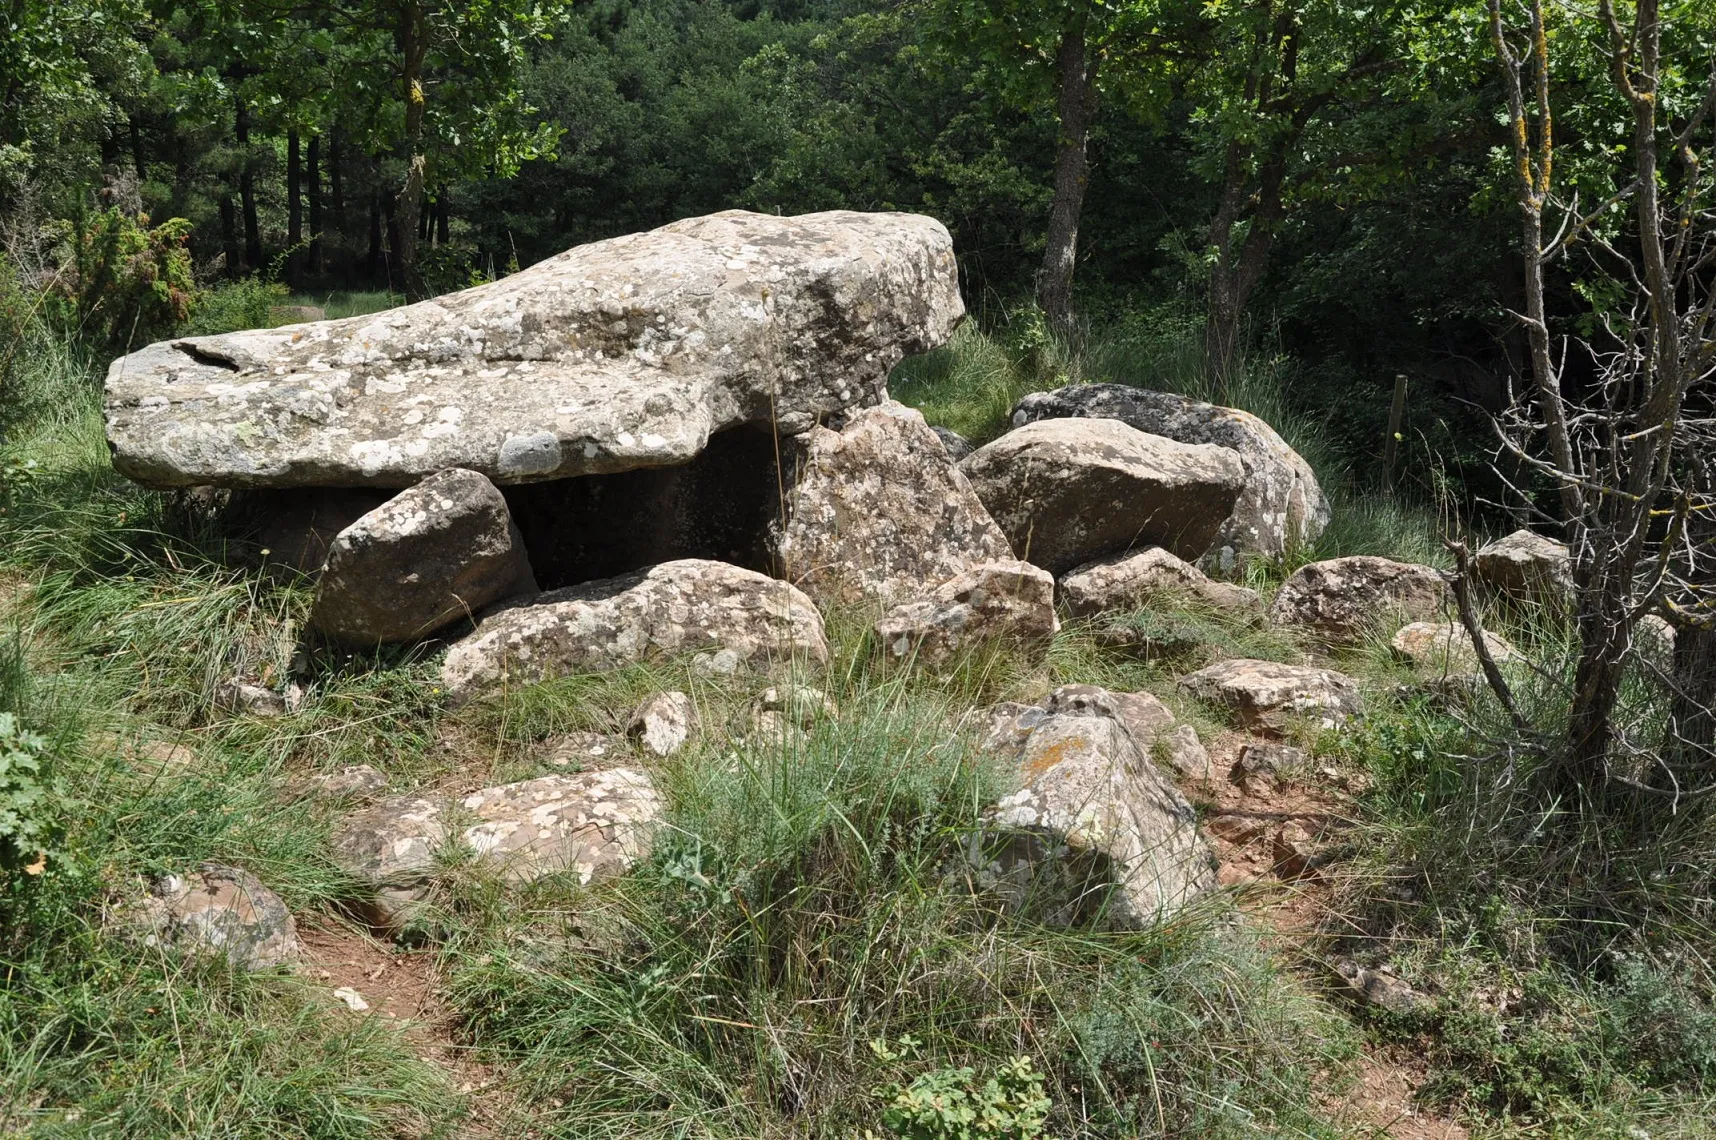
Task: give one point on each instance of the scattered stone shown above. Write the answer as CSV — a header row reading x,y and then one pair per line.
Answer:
x,y
879,513
1134,581
1002,729
1344,600
1526,567
770,728
1653,638
617,355
352,780
957,446
728,616
279,315
352,999
299,525
663,723
430,556
1295,851
224,910
1095,833
146,757
247,699
584,750
1379,989
1237,828
1067,492
1145,718
1268,695
1262,767
800,704
593,824
1445,648
1012,601
1280,507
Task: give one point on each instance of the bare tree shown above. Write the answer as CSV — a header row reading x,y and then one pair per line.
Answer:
x,y
1631,455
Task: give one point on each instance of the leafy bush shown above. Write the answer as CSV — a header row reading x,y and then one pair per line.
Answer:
x,y
243,304
122,282
26,798
948,1104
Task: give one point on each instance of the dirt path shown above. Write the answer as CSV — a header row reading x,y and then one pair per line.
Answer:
x,y
1265,835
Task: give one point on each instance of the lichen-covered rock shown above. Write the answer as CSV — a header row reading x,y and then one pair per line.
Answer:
x,y
880,513
1653,639
1012,601
728,616
223,910
1267,695
1133,581
1281,505
663,723
1526,567
443,550
352,780
956,445
1145,718
593,824
584,750
621,354
1094,833
1069,491
1445,648
1345,600
1264,767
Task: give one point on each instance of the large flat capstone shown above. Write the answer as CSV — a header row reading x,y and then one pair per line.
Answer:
x,y
617,355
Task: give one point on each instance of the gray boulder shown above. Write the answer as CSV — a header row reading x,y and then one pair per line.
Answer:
x,y
221,910
1345,600
1445,649
1069,491
663,723
1267,695
1094,834
956,445
1281,504
997,601
1145,718
1134,581
726,616
593,825
879,513
622,354
1526,567
438,552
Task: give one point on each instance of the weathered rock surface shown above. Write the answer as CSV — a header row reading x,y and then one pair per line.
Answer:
x,y
352,780
1267,694
663,723
1263,767
879,512
1012,601
1145,718
584,750
956,445
1526,567
593,824
1445,648
1344,600
1133,581
246,698
443,550
1653,639
218,909
1094,834
728,616
621,354
1281,504
1069,491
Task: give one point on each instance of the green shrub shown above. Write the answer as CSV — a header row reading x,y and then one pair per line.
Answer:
x,y
123,282
27,799
242,304
949,1104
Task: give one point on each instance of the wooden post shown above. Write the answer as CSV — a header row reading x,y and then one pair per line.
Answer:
x,y
1396,414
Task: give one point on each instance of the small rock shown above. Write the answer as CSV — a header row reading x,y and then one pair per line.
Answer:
x,y
248,699
1653,637
584,750
146,757
219,909
1267,695
770,728
799,703
1010,601
1345,600
1380,989
352,780
1295,851
1262,767
1067,491
957,446
1145,718
1445,648
663,723
1134,581
354,1000
1526,567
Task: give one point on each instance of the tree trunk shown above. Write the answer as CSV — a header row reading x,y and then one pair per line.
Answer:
x,y
1076,69
229,235
313,191
138,162
373,265
247,185
413,43
443,217
336,188
294,206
